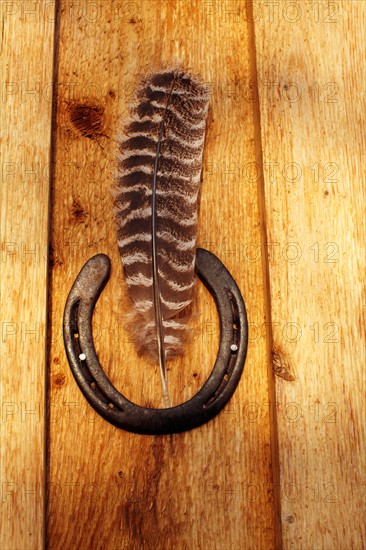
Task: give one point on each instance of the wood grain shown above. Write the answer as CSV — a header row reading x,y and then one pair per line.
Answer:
x,y
312,104
281,205
27,53
212,487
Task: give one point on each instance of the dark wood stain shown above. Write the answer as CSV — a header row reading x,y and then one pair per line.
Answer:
x,y
87,119
281,366
58,380
79,214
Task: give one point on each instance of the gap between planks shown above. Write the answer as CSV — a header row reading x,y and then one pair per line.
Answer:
x,y
266,276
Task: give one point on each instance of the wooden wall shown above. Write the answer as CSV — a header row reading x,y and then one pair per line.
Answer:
x,y
282,199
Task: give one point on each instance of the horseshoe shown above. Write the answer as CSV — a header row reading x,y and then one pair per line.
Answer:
x,y
99,390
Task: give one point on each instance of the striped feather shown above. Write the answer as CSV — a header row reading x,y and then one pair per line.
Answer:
x,y
159,174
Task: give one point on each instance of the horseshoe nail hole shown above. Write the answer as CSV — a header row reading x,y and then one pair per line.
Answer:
x,y
82,356
234,348
110,405
235,326
76,335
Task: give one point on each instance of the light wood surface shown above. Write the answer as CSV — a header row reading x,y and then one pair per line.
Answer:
x,y
26,82
282,205
200,489
310,64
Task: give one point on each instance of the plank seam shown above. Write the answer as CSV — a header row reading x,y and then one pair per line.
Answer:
x,y
266,275
53,132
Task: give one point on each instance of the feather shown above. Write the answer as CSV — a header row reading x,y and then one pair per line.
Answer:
x,y
159,174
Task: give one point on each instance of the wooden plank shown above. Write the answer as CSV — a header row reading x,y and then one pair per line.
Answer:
x,y
27,50
312,104
212,487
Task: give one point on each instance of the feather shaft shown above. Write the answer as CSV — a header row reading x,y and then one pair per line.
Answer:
x,y
156,286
